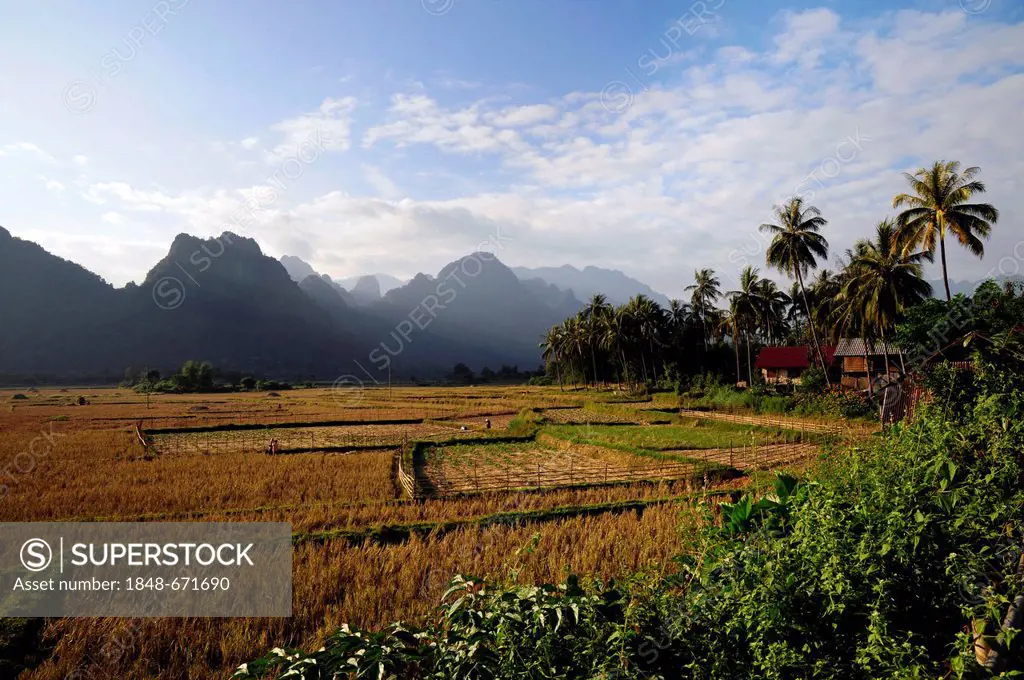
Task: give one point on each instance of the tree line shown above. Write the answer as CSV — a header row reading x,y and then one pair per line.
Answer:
x,y
874,284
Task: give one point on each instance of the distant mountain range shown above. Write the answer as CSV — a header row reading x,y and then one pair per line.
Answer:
x,y
586,282
386,282
548,283
968,287
222,300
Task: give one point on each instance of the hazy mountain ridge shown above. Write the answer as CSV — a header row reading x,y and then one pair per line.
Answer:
x,y
385,281
590,280
479,295
968,287
366,291
299,270
223,300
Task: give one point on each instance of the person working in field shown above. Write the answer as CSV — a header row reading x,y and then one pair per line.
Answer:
x,y
273,447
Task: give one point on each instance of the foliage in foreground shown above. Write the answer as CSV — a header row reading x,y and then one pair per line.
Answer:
x,y
896,561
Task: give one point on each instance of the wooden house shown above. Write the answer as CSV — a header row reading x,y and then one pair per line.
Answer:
x,y
862,364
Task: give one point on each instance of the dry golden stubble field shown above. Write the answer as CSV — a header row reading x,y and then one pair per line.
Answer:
x,y
369,586
84,463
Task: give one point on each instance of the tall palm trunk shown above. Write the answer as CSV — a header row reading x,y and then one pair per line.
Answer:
x,y
704,323
942,253
558,374
750,375
593,362
654,363
736,346
810,324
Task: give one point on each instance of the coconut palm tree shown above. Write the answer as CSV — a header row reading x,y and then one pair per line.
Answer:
x,y
822,294
795,313
553,349
615,336
715,318
883,279
745,310
678,314
575,343
706,291
795,248
772,305
729,322
648,321
595,312
939,204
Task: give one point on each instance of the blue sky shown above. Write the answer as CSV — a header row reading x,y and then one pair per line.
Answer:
x,y
651,137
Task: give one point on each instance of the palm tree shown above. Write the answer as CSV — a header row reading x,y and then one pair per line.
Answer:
x,y
730,323
796,245
553,349
595,312
715,317
615,335
575,342
706,291
678,314
745,310
772,304
647,318
940,204
883,280
822,295
794,312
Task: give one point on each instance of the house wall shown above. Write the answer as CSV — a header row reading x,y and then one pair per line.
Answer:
x,y
784,376
854,365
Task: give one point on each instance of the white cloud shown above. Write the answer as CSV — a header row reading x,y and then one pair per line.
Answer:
x,y
524,115
805,36
380,182
112,218
249,143
418,119
80,160
54,186
328,126
26,149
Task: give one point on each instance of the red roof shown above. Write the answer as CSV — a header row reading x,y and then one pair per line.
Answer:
x,y
783,357
791,357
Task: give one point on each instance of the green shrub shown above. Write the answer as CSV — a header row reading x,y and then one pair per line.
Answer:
x,y
812,381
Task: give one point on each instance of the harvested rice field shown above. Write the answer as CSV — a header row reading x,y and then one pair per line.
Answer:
x,y
580,481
